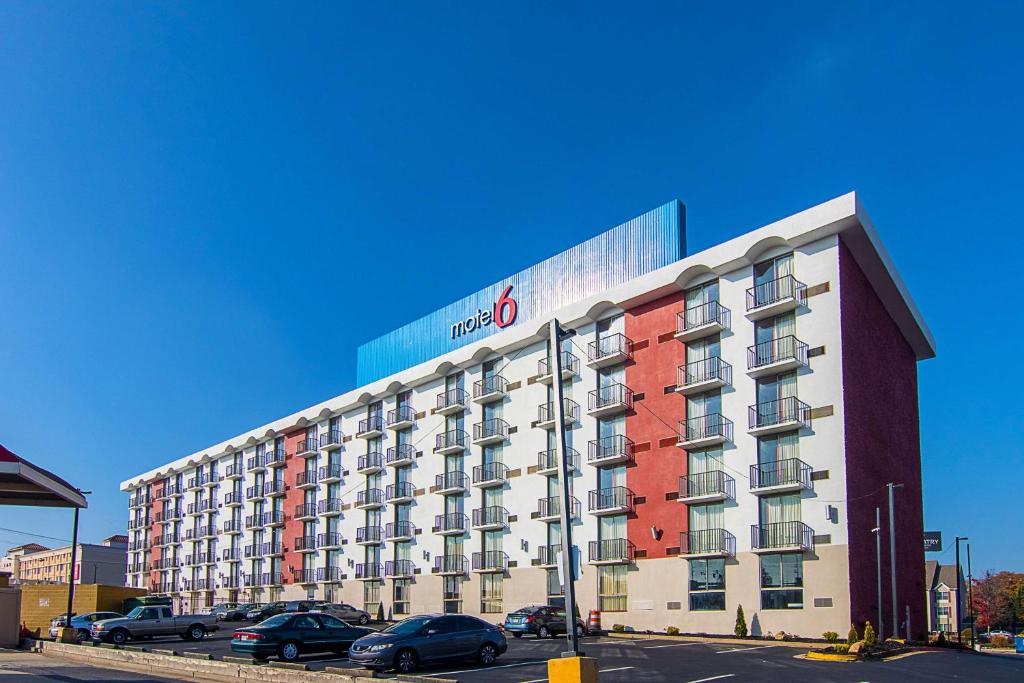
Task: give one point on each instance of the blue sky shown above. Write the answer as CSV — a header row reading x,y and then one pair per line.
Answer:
x,y
188,191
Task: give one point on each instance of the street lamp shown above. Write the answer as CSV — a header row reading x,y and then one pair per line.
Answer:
x,y
959,587
74,558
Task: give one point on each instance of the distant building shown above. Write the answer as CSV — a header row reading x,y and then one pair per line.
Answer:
x,y
943,596
9,563
103,563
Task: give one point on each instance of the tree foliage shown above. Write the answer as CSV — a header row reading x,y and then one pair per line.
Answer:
x,y
741,623
999,601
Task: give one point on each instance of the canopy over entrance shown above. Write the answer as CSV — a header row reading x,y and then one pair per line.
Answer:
x,y
22,483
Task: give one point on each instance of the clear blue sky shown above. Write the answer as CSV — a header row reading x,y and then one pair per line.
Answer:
x,y
205,207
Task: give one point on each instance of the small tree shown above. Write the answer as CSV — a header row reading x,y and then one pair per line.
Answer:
x,y
830,636
870,637
741,623
853,636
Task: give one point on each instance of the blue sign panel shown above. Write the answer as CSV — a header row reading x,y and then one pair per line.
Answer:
x,y
646,243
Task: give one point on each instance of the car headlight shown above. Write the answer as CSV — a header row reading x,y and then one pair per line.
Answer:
x,y
379,647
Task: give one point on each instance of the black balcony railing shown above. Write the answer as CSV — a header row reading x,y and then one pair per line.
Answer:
x,y
328,574
257,462
329,472
272,548
452,399
369,497
452,521
273,517
328,506
548,554
306,478
773,291
399,568
712,369
706,484
495,384
369,534
780,412
612,550
304,543
368,570
373,423
490,560
253,550
613,498
548,460
781,535
273,488
787,472
402,489
454,438
401,414
401,453
493,515
570,410
491,472
450,564
710,426
370,461
234,470
307,446
271,579
401,529
707,542
304,575
305,510
570,364
333,437
274,457
614,345
614,447
328,540
494,429
611,396
451,480
552,507
233,526
233,497
231,554
703,315
787,348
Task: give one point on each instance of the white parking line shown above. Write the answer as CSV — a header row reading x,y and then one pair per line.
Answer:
x,y
655,647
488,668
744,649
712,678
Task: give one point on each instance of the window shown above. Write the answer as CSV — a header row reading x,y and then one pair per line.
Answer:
x,y
371,596
707,585
554,587
305,622
943,611
491,593
611,588
782,580
401,595
942,595
452,594
332,622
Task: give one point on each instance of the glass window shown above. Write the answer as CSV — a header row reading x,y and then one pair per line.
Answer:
x,y
707,584
305,622
491,593
782,580
453,594
401,595
611,588
371,596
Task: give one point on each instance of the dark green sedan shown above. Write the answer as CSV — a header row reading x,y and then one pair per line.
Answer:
x,y
292,634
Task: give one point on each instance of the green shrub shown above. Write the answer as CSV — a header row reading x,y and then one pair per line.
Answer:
x,y
870,637
830,636
853,637
741,623
672,631
965,635
618,628
1001,641
841,648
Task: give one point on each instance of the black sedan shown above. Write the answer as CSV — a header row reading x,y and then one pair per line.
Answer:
x,y
543,621
429,639
292,634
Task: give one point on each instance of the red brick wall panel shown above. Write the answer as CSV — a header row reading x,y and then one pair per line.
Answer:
x,y
293,497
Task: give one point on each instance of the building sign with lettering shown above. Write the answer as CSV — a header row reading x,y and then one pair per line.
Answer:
x,y
932,541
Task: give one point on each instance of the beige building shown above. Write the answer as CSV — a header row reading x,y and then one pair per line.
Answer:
x,y
10,563
944,604
102,564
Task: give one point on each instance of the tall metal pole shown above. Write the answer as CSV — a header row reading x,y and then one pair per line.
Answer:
x,y
71,567
565,495
878,561
956,620
892,558
970,595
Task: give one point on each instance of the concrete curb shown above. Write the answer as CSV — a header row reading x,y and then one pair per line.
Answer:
x,y
739,642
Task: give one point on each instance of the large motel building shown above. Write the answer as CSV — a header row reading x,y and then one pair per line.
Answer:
x,y
733,417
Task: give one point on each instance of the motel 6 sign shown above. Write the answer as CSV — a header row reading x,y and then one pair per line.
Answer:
x,y
503,314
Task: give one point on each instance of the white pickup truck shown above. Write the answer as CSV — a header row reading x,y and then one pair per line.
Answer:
x,y
150,621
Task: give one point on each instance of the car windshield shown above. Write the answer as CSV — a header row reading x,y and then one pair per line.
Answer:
x,y
408,626
277,620
134,613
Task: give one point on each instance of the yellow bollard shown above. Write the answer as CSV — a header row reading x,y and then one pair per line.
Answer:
x,y
572,670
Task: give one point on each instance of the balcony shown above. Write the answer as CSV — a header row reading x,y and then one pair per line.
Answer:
x,y
332,440
369,535
490,518
780,476
233,498
329,474
611,551
550,509
368,571
774,297
307,448
254,521
547,461
781,536
490,475
452,401
702,320
273,518
610,450
273,489
452,441
252,492
257,463
610,350
707,543
329,507
452,523
369,499
616,500
305,511
399,569
490,389
450,565
489,432
371,427
546,418
233,526
451,482
253,550
196,482
400,492
328,574
399,531
274,458
328,541
138,500
706,487
212,480
781,415
234,471
776,356
613,399
371,463
306,480
703,375
304,544
399,456
195,508
304,576
490,562
570,367
231,554
401,417
547,555
704,430
271,579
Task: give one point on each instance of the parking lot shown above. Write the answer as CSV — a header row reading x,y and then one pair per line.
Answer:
x,y
657,660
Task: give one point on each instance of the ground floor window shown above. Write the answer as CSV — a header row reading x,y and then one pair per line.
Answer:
x,y
707,585
782,581
400,595
490,593
453,594
371,597
611,588
555,592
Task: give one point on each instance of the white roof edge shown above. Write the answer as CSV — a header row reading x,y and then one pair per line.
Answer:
x,y
842,214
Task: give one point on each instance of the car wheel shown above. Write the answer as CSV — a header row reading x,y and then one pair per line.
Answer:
x,y
543,632
196,633
488,654
119,637
364,619
517,635
289,652
405,662
82,637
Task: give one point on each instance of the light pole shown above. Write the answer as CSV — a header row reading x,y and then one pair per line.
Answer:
x,y
74,559
892,556
959,586
877,531
970,595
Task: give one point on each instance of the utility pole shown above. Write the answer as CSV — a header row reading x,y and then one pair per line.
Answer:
x,y
877,531
970,595
565,495
74,560
959,587
892,557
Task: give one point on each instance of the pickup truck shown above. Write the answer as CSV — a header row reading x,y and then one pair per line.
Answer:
x,y
150,621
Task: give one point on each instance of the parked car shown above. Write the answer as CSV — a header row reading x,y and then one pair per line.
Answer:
x,y
150,621
543,621
238,612
290,634
345,612
266,611
82,622
427,639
